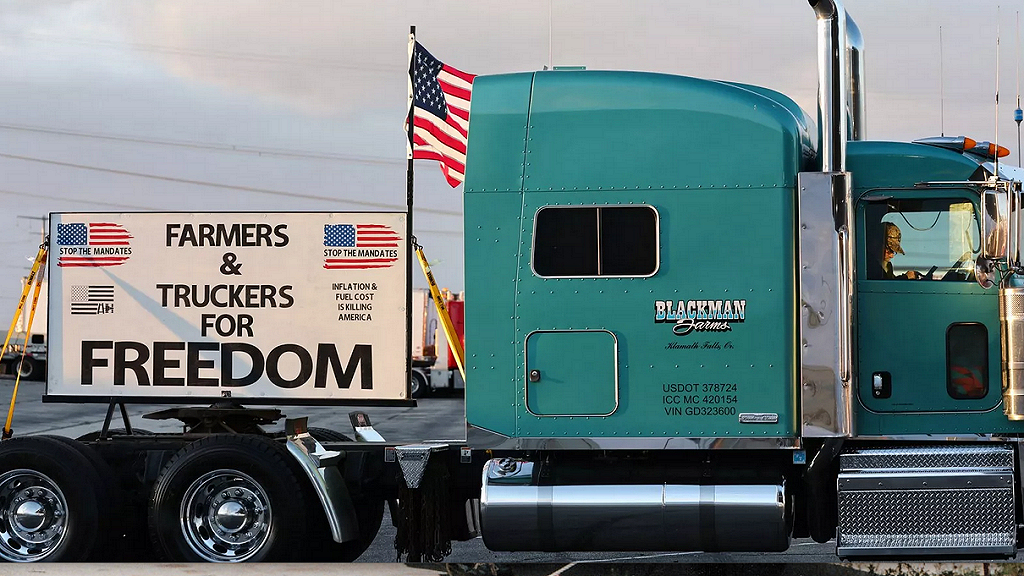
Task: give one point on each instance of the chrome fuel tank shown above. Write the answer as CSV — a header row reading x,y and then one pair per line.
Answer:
x,y
519,514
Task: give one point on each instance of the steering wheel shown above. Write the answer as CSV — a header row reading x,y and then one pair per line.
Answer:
x,y
928,276
960,272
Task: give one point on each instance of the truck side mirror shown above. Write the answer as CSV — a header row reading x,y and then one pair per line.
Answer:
x,y
984,270
994,224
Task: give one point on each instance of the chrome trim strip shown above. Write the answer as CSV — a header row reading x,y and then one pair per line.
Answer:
x,y
479,438
940,438
914,553
927,480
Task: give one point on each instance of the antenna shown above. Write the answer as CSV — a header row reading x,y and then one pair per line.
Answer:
x,y
996,160
1018,114
942,97
550,26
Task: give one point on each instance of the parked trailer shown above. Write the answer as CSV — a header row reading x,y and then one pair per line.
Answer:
x,y
433,363
28,358
685,334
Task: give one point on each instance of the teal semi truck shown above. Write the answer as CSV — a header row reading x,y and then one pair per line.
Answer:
x,y
698,320
681,312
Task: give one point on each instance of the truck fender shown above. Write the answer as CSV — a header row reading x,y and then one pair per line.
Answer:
x,y
319,464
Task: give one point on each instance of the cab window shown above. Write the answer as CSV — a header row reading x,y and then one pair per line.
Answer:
x,y
595,241
930,239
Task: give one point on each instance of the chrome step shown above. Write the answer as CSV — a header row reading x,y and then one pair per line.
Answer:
x,y
927,501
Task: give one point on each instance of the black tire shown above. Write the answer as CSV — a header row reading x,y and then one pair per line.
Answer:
x,y
249,479
369,513
128,540
328,435
418,386
111,541
49,478
28,368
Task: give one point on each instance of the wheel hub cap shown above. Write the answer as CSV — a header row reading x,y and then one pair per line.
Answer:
x,y
29,516
230,517
33,516
226,516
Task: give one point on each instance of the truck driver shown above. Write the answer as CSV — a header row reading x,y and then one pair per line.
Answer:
x,y
891,237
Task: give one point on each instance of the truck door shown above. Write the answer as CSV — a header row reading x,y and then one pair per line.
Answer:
x,y
928,334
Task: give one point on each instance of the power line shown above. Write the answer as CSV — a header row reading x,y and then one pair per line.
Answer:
x,y
150,209
78,200
226,186
215,54
244,149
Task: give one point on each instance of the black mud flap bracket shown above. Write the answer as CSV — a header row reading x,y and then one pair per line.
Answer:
x,y
321,467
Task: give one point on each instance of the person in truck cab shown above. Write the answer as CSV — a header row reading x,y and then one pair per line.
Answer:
x,y
890,245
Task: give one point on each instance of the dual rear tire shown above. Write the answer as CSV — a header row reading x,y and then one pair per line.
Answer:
x,y
56,501
223,498
228,499
236,498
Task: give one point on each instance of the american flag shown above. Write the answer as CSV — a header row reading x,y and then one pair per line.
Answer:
x,y
440,113
92,234
95,299
88,237
369,244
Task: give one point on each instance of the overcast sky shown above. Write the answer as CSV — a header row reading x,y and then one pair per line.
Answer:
x,y
211,105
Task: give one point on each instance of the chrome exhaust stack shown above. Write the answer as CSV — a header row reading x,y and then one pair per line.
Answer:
x,y
833,86
840,81
519,512
827,265
856,100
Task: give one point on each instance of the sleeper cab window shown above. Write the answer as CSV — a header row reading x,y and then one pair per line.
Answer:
x,y
591,241
967,361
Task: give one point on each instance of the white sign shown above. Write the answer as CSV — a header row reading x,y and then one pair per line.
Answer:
x,y
285,306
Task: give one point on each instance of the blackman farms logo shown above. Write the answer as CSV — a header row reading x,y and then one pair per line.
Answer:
x,y
700,315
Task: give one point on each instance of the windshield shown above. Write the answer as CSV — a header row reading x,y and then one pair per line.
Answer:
x,y
931,239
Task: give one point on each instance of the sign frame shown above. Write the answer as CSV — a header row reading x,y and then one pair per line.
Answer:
x,y
330,268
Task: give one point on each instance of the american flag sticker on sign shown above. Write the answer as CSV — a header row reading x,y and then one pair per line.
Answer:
x,y
360,246
93,299
92,244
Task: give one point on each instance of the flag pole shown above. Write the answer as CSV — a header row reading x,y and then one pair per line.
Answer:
x,y
408,220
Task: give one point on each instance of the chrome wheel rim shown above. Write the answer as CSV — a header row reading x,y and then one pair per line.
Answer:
x,y
226,516
33,516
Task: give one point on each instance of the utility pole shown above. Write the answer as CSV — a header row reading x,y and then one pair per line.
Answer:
x,y
42,225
